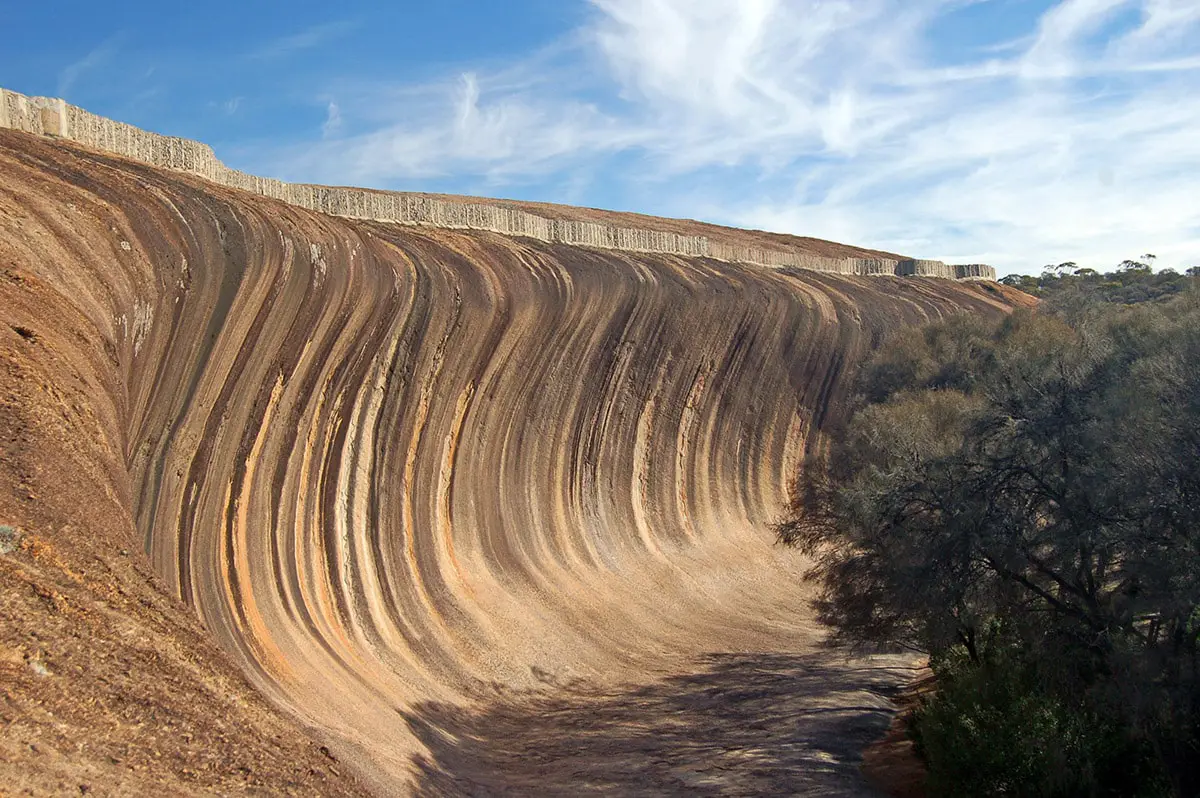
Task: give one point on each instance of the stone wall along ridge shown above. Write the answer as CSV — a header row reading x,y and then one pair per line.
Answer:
x,y
49,116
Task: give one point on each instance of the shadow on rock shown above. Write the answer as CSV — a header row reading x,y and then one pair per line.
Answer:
x,y
761,724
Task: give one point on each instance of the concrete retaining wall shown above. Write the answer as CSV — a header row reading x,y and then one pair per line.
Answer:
x,y
53,117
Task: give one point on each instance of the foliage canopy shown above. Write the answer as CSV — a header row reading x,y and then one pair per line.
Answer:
x,y
1021,500
1134,281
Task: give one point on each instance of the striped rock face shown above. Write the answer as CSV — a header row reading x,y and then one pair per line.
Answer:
x,y
414,483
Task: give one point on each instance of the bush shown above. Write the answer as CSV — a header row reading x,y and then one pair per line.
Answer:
x,y
992,729
1026,494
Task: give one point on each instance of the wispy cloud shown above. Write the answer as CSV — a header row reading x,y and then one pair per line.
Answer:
x,y
491,128
1073,139
333,121
309,39
96,58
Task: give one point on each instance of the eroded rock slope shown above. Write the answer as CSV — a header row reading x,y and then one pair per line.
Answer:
x,y
439,496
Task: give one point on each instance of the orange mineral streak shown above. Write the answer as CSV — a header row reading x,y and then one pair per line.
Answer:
x,y
444,497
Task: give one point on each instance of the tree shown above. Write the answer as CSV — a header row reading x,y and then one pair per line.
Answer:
x,y
1144,264
1028,493
1133,281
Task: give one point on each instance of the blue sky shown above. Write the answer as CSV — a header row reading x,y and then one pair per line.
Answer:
x,y
1011,132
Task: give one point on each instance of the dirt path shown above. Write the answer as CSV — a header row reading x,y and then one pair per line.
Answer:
x,y
764,724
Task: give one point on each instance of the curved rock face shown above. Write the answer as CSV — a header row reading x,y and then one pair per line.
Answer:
x,y
396,468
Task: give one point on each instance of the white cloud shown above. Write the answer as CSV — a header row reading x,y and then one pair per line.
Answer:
x,y
1169,19
333,121
313,37
96,58
846,119
492,129
1057,51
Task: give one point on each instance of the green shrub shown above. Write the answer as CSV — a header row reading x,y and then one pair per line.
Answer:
x,y
991,729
